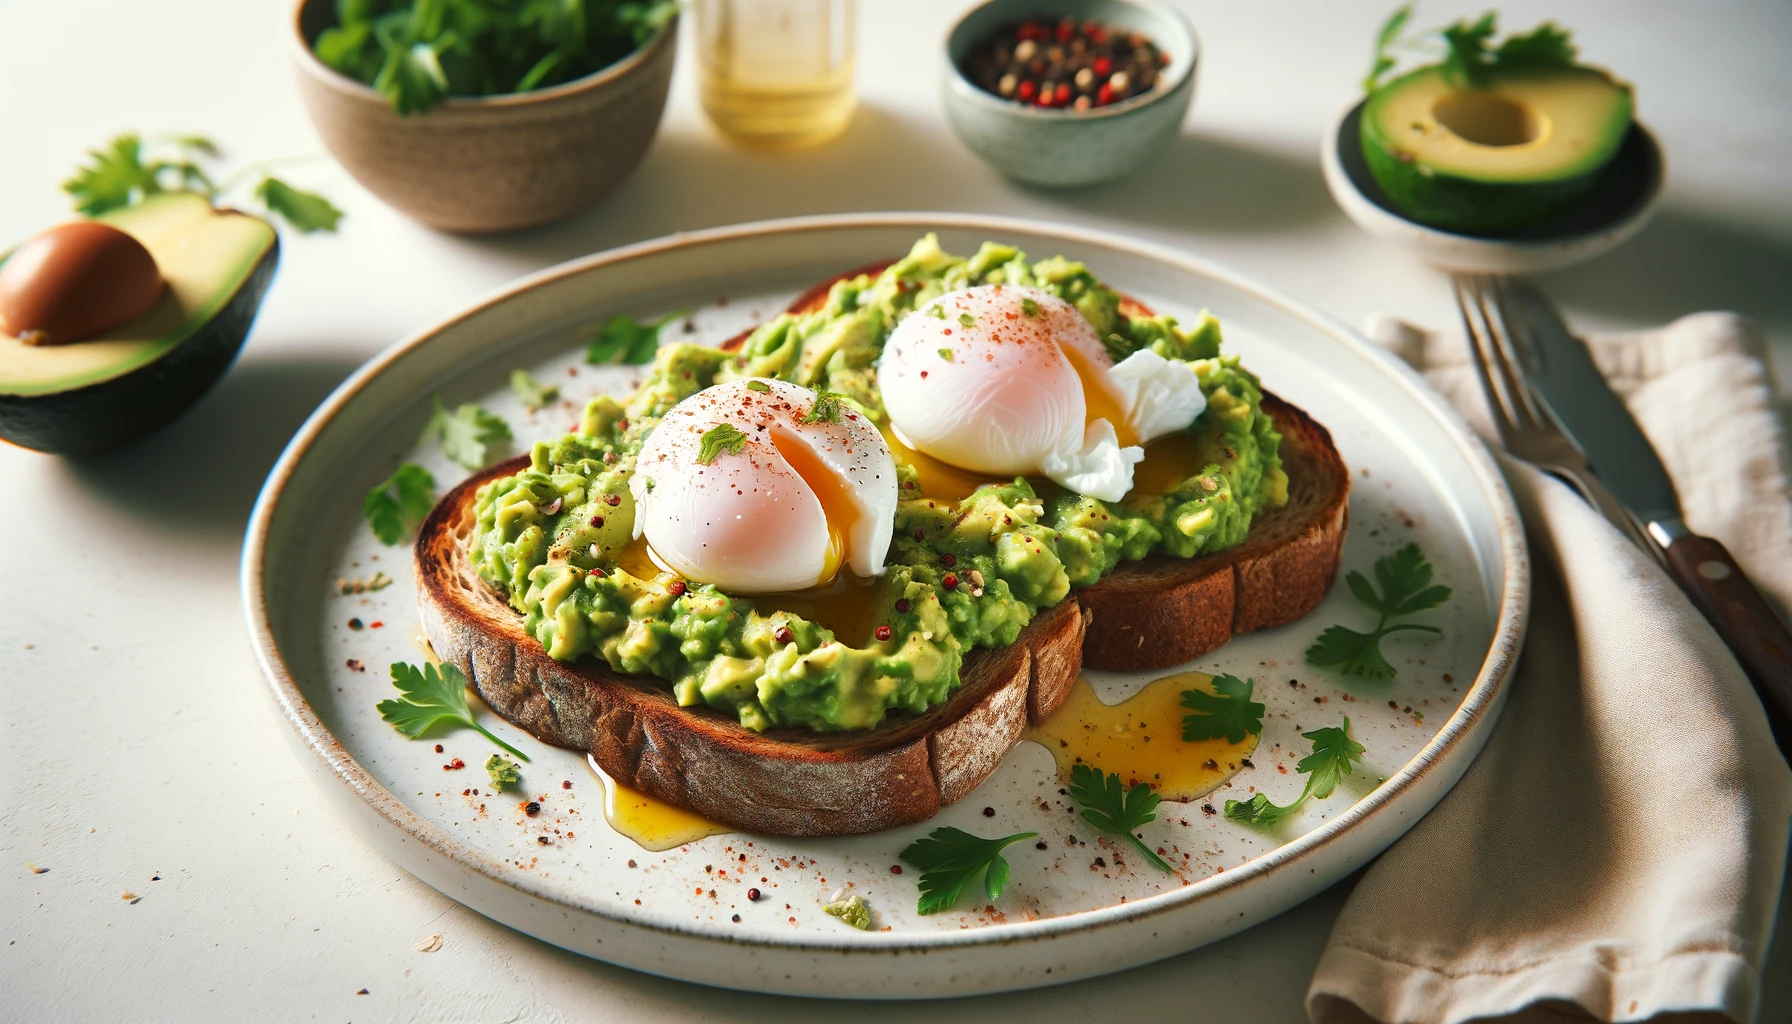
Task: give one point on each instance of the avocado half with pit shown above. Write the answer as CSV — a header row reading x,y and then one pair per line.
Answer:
x,y
1499,158
105,392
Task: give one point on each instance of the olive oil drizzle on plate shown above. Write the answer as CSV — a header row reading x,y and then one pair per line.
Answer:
x,y
653,824
1140,739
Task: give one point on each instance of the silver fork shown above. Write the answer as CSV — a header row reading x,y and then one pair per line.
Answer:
x,y
1525,427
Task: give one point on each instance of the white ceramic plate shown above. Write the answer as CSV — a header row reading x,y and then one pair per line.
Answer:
x,y
1621,202
1067,914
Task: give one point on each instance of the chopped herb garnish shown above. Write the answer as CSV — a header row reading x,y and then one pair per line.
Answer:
x,y
1405,578
130,169
466,433
967,320
1229,711
503,770
1469,58
1029,307
723,437
626,340
758,385
949,858
1333,753
1114,809
431,695
946,354
853,910
531,392
399,503
937,311
828,408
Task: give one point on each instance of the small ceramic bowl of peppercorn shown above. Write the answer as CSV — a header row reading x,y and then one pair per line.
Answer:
x,y
1069,93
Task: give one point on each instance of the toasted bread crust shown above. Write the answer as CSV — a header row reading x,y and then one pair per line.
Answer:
x,y
781,782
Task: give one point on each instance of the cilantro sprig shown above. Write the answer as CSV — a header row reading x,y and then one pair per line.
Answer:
x,y
531,392
429,696
399,503
1115,809
626,340
723,437
467,433
1229,711
130,168
1333,754
1405,578
418,52
1469,56
828,408
950,858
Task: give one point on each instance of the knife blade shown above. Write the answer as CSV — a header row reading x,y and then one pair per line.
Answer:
x,y
1562,375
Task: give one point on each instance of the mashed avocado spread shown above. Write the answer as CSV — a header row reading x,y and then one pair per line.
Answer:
x,y
962,572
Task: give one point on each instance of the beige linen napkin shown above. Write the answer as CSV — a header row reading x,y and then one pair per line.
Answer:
x,y
1617,849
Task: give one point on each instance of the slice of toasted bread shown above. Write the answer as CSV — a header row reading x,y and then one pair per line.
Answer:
x,y
1165,611
783,781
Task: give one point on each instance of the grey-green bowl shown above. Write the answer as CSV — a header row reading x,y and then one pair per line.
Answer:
x,y
1062,148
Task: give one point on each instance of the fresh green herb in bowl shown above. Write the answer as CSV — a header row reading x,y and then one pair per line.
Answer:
x,y
418,52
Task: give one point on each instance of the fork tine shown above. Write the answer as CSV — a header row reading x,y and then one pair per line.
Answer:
x,y
1515,329
1500,332
1475,324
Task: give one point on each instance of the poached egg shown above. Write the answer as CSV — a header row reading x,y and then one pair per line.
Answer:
x,y
774,500
1013,381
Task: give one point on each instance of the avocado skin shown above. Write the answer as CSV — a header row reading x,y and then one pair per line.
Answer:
x,y
1460,205
114,413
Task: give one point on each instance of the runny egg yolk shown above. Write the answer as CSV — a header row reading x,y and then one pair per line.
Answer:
x,y
830,488
1099,396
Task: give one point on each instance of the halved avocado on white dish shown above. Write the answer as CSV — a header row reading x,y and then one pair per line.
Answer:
x,y
108,391
1502,157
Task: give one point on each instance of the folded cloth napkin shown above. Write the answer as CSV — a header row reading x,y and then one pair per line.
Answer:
x,y
1616,851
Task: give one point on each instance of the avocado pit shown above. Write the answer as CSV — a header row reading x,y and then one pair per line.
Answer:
x,y
1487,118
76,281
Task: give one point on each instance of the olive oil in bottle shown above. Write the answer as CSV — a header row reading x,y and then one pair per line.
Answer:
x,y
777,72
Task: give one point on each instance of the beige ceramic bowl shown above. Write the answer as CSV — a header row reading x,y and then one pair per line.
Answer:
x,y
492,164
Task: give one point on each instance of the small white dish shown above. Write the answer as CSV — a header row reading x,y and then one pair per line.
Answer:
x,y
1617,208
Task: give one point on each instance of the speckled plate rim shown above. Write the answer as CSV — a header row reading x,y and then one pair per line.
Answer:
x,y
1463,734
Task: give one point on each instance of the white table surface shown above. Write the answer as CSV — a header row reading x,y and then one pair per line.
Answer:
x,y
137,741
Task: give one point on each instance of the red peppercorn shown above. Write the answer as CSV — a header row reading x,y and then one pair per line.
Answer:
x,y
902,604
1104,95
753,895
1063,94
919,535
598,572
675,588
567,784
597,520
1102,67
1064,32
612,500
948,560
1026,90
950,582
884,633
783,635
895,869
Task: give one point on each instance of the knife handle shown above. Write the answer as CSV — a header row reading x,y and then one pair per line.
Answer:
x,y
1708,573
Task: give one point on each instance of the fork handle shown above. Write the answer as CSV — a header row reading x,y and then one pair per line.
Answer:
x,y
1707,572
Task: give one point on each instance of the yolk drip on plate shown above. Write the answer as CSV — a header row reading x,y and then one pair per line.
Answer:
x,y
1140,739
653,824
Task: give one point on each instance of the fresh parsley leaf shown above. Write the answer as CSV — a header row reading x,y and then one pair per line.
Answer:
x,y
946,354
304,211
1544,46
531,392
429,696
1405,589
949,858
466,433
399,504
1115,810
723,437
828,408
114,176
1029,307
1385,41
1466,62
758,385
503,771
1229,711
1333,754
626,340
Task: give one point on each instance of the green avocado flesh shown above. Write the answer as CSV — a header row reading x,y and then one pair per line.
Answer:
x,y
1499,158
1010,548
